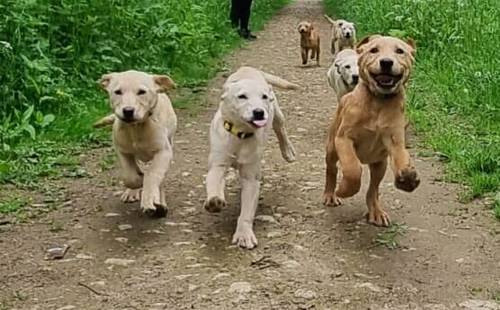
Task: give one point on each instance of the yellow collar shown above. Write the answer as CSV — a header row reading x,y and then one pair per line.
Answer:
x,y
240,134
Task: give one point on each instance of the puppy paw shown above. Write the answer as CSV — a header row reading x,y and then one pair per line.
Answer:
x,y
131,195
378,217
214,204
407,179
244,237
152,206
288,153
331,200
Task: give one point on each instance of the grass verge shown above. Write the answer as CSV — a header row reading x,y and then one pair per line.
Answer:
x,y
453,97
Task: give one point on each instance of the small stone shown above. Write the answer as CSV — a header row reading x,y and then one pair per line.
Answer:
x,y
119,262
183,276
84,256
171,224
199,265
124,227
299,129
98,283
274,234
186,174
240,287
56,252
266,218
299,248
460,260
291,264
305,294
319,212
221,275
104,230
68,307
111,214
121,239
192,287
476,304
182,243
370,286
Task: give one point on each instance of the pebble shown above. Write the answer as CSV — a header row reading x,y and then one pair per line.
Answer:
x,y
68,307
112,214
274,234
476,304
124,227
221,275
98,283
240,287
121,239
192,287
372,287
181,243
119,262
266,218
305,293
291,264
460,260
84,256
183,276
56,252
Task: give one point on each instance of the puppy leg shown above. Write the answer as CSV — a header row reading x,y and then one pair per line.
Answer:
x,y
132,177
287,150
405,174
250,185
351,168
332,47
376,215
329,197
151,202
215,184
318,50
304,52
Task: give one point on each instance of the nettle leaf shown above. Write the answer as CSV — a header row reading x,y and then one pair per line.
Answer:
x,y
31,130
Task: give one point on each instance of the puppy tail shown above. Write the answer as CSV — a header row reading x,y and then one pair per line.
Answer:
x,y
329,19
105,121
279,82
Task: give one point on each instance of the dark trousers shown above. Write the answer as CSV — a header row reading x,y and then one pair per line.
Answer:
x,y
240,13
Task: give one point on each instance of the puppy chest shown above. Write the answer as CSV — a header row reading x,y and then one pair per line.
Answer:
x,y
369,146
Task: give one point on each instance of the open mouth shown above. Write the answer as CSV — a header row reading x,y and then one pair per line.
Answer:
x,y
386,81
258,123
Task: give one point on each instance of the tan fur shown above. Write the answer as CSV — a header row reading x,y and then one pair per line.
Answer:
x,y
145,135
369,126
339,40
309,41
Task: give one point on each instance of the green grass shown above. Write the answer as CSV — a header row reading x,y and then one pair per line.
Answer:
x,y
453,97
53,52
389,237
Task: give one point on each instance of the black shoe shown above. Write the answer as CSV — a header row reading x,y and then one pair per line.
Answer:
x,y
246,34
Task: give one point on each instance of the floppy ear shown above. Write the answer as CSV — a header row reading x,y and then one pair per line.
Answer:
x,y
105,80
164,82
364,41
413,46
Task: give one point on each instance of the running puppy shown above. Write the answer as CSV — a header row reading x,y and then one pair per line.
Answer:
x,y
238,133
309,41
343,35
343,75
144,124
369,126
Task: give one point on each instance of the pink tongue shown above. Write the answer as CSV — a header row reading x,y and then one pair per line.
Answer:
x,y
260,123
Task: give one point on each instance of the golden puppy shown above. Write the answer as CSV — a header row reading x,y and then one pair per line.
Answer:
x,y
309,41
369,126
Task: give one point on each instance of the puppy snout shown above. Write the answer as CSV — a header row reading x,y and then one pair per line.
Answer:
x,y
348,35
258,114
386,64
355,78
128,112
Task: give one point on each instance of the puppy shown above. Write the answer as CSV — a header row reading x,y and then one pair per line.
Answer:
x,y
343,35
238,133
309,41
369,126
343,75
144,124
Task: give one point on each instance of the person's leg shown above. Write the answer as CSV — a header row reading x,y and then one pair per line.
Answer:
x,y
245,10
234,15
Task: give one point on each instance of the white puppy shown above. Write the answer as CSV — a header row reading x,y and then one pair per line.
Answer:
x,y
238,133
144,124
343,74
343,35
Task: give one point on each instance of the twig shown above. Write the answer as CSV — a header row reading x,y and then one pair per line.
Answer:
x,y
91,289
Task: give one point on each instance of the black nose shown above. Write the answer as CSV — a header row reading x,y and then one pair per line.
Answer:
x,y
348,35
258,114
355,78
386,64
128,112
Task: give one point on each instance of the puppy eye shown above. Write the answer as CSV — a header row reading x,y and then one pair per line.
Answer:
x,y
400,51
374,50
264,97
141,92
341,24
242,96
118,92
348,67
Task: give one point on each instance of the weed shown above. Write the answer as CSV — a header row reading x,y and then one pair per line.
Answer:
x,y
388,237
12,205
453,95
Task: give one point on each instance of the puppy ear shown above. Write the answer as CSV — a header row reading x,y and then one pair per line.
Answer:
x,y
164,82
364,41
413,46
105,80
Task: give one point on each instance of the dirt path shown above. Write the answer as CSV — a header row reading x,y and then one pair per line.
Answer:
x,y
309,257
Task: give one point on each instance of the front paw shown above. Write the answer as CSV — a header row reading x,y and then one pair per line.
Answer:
x,y
331,200
244,237
152,206
407,179
131,195
288,153
214,204
378,217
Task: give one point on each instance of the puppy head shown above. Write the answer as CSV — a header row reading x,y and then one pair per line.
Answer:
x,y
134,94
247,103
346,29
305,27
385,63
346,64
